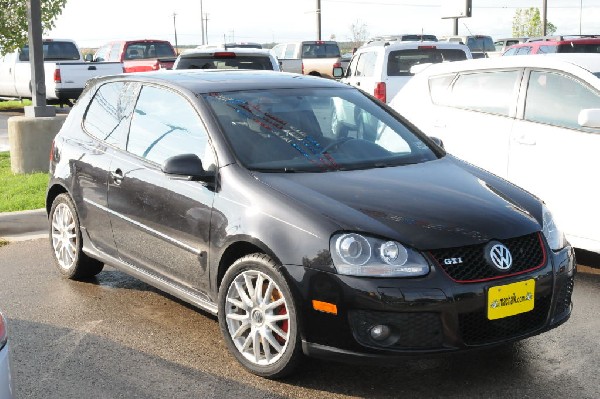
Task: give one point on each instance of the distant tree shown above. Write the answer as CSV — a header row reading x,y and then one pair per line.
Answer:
x,y
358,33
527,22
14,23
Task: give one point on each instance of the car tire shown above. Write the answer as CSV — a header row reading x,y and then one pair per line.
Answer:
x,y
261,327
66,243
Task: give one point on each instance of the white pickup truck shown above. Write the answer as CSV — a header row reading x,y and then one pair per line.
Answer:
x,y
65,71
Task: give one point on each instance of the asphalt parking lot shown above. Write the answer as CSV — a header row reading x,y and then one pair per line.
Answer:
x,y
116,337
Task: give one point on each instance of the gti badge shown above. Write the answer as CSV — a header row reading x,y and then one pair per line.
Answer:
x,y
498,256
453,261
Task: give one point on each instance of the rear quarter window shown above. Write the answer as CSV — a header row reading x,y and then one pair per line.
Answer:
x,y
109,112
499,86
400,62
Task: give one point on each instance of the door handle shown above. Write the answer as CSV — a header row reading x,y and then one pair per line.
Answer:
x,y
358,83
525,139
91,68
117,176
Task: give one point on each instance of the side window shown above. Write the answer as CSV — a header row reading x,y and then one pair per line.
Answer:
x,y
290,51
500,86
523,50
278,50
102,54
557,99
510,51
439,88
352,67
108,114
366,64
165,124
547,49
115,52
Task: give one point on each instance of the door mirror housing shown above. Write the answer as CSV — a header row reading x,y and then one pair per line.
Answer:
x,y
187,167
338,72
88,57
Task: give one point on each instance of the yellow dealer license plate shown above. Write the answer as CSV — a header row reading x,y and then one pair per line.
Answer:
x,y
511,299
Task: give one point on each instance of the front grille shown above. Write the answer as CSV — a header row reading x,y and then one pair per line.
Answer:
x,y
476,329
527,253
417,330
563,298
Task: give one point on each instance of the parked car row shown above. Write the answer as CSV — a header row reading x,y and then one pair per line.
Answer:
x,y
534,120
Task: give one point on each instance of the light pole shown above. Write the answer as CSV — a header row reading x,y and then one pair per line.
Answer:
x,y
580,13
175,29
202,21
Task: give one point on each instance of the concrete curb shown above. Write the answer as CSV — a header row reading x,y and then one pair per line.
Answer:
x,y
24,225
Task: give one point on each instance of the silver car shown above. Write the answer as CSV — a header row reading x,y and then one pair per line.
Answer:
x,y
5,379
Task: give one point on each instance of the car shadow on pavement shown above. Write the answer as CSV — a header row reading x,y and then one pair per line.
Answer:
x,y
55,362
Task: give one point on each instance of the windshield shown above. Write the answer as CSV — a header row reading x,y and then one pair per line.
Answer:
x,y
314,130
481,43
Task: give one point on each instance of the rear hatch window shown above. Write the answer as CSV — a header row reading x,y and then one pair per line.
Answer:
x,y
149,50
54,51
320,50
261,62
481,43
579,48
400,61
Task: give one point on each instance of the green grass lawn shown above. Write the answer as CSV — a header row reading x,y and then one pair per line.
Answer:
x,y
20,192
13,105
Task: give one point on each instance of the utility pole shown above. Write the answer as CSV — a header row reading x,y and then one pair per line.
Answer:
x,y
318,19
202,21
36,60
206,27
545,18
175,29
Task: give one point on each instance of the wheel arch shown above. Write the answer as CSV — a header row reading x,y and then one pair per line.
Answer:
x,y
54,191
237,249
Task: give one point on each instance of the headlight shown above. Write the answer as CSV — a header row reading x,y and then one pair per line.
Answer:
x,y
554,236
357,255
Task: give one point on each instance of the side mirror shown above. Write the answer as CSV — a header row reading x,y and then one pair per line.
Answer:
x,y
437,141
187,167
589,118
338,72
88,57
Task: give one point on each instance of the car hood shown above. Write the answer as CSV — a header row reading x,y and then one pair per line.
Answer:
x,y
436,204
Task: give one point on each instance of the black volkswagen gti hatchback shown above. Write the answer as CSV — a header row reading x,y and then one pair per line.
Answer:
x,y
311,218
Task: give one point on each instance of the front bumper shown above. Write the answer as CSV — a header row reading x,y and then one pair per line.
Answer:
x,y
429,315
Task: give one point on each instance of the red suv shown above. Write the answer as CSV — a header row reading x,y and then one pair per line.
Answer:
x,y
556,44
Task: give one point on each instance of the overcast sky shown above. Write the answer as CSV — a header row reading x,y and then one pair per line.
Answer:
x,y
91,24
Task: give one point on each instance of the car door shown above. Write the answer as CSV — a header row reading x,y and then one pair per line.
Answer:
x,y
365,75
477,115
161,225
105,123
555,158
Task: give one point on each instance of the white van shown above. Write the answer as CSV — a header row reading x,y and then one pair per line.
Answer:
x,y
533,120
381,68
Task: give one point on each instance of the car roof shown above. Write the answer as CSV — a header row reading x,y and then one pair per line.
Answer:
x,y
566,61
222,80
395,45
237,50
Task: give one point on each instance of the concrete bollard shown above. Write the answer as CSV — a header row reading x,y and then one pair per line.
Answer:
x,y
30,140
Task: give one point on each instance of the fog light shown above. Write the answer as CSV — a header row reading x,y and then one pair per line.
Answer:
x,y
380,332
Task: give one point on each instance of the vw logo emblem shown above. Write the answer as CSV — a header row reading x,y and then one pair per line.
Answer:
x,y
498,256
